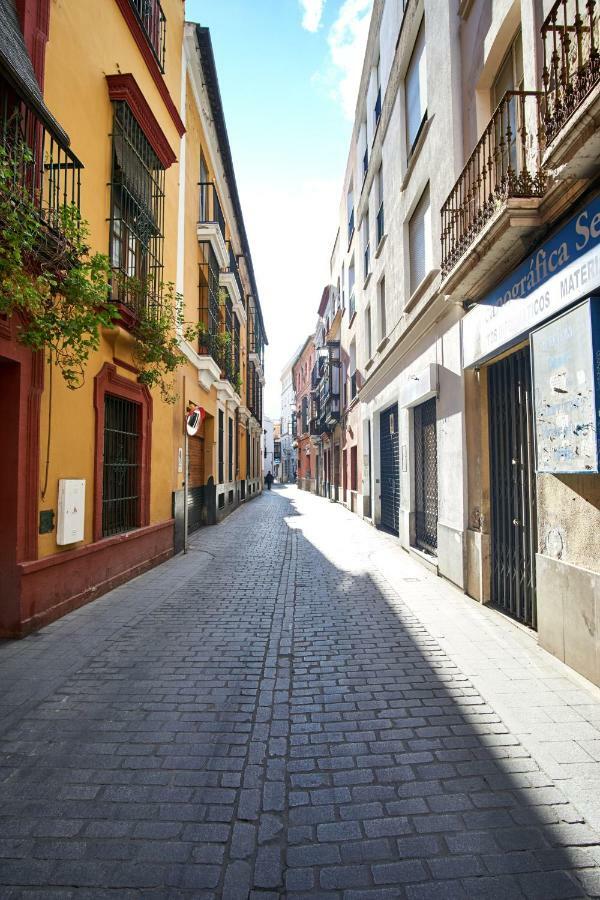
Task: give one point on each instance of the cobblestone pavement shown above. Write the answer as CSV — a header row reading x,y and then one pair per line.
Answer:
x,y
295,709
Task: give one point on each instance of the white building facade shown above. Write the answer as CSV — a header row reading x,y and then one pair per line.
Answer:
x,y
468,247
287,470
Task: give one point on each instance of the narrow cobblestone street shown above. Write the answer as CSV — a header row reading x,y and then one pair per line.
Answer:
x,y
311,715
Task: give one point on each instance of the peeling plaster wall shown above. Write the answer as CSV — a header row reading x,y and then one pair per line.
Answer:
x,y
569,519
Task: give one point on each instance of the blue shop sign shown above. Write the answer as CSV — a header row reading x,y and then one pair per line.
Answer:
x,y
562,270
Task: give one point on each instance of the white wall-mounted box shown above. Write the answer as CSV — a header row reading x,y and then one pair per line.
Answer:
x,y
71,511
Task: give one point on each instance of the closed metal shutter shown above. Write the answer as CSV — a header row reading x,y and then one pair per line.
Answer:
x,y
389,444
512,487
426,477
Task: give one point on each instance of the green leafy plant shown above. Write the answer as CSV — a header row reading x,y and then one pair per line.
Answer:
x,y
49,278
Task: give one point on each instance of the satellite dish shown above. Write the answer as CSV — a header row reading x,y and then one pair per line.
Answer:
x,y
194,420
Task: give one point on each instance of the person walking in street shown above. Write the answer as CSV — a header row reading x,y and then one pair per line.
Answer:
x,y
269,479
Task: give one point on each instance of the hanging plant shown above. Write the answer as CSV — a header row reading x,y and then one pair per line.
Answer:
x,y
49,278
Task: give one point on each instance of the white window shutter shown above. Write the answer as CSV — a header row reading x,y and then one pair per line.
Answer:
x,y
416,89
419,237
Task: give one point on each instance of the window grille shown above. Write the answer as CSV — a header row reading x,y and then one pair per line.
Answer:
x,y
153,21
121,475
227,363
230,449
209,300
221,445
137,215
236,348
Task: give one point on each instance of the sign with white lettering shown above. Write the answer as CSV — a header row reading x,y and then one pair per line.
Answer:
x,y
566,381
564,269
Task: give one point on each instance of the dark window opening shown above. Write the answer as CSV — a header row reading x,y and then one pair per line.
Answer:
x,y
221,443
121,476
151,17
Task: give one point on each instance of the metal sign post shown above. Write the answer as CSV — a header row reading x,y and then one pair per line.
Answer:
x,y
185,488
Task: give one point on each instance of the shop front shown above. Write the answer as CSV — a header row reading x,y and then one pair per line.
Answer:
x,y
531,354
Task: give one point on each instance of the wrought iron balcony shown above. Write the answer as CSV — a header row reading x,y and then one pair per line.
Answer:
x,y
151,17
233,269
570,36
505,164
40,170
210,212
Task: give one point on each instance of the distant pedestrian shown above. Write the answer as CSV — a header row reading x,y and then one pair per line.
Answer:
x,y
269,479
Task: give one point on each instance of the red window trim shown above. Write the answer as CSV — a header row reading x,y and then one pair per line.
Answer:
x,y
108,381
126,88
144,47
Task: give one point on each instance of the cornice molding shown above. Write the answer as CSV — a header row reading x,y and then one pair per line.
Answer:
x,y
145,49
126,88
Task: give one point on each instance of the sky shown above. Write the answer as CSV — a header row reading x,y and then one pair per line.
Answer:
x,y
288,73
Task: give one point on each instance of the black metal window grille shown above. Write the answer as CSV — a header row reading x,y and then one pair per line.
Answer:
x,y
42,170
304,415
151,17
209,300
121,474
426,477
221,444
230,449
227,363
210,211
137,215
236,348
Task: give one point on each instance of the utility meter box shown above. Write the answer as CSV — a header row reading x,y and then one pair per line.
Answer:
x,y
71,511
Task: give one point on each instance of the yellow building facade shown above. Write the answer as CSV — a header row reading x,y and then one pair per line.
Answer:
x,y
92,479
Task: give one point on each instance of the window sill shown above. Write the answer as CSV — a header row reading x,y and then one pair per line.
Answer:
x,y
366,281
421,289
383,344
350,237
380,246
415,152
369,364
351,319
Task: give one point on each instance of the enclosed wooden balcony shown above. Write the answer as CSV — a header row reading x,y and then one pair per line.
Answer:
x,y
497,196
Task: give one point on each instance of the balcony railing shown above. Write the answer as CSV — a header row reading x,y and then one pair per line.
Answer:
x,y
570,36
151,17
234,269
40,171
506,163
210,212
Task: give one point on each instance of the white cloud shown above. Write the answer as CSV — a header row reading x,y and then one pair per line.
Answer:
x,y
347,41
313,13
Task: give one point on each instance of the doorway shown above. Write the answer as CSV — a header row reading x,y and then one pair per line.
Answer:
x,y
512,487
10,378
426,476
389,451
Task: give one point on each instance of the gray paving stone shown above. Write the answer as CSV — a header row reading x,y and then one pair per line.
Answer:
x,y
220,716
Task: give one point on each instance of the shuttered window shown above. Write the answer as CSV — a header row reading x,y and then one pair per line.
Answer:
x,y
416,91
419,236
